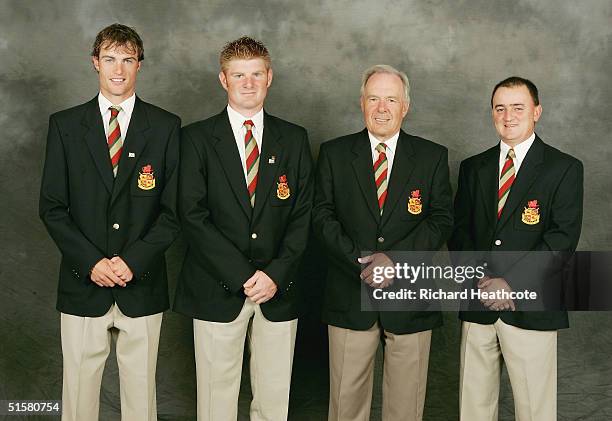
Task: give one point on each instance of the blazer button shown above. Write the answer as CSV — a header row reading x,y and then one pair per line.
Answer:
x,y
381,239
498,242
254,236
116,226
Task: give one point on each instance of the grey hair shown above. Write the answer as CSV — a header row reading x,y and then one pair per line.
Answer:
x,y
385,68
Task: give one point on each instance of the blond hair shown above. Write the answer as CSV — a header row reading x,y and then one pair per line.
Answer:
x,y
244,48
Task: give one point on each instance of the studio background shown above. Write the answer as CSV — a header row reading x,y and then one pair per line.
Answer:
x,y
453,52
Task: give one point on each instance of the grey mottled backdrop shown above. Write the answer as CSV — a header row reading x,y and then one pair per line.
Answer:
x,y
453,52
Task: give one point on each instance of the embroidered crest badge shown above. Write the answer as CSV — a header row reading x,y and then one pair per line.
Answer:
x,y
531,214
415,206
146,178
282,190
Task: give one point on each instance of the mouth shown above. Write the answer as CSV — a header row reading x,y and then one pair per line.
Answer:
x,y
117,79
382,120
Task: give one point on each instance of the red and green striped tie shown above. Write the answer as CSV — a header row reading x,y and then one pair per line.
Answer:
x,y
115,142
252,160
505,181
380,175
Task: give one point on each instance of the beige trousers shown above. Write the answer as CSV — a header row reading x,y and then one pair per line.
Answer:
x,y
86,344
531,360
218,353
351,369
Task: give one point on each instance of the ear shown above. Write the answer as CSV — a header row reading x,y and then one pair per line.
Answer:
x,y
537,112
138,66
270,75
362,103
96,63
223,79
405,108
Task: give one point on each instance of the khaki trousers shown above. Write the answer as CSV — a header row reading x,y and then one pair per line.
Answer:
x,y
351,369
86,344
531,360
218,353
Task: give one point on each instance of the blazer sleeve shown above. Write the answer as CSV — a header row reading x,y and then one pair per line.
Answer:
x,y
54,207
211,247
282,268
140,254
461,238
341,248
563,231
434,231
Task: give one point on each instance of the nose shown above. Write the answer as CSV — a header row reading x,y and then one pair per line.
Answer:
x,y
118,68
382,106
508,115
248,82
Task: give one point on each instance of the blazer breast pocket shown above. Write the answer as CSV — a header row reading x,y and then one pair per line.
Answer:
x,y
146,180
528,216
413,205
284,188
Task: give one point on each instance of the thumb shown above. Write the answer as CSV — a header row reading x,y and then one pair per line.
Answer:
x,y
250,282
366,259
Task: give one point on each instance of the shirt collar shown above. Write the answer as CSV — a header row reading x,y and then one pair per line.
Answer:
x,y
390,143
127,106
237,120
520,150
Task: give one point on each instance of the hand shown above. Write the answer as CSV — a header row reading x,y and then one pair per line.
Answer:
x,y
102,274
375,260
496,284
260,287
121,269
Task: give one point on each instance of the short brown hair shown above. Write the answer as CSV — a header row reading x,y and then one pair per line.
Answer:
x,y
117,35
514,81
244,48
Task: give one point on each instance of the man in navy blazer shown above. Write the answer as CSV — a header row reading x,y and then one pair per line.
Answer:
x,y
108,199
245,204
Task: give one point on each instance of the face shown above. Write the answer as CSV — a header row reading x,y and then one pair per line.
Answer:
x,y
246,83
117,69
514,114
384,105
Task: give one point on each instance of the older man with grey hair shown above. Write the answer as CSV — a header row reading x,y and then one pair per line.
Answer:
x,y
365,183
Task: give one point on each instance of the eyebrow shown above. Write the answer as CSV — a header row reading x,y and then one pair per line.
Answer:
x,y
511,105
114,57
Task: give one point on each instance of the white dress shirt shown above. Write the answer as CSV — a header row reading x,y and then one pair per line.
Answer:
x,y
520,151
390,150
123,117
237,122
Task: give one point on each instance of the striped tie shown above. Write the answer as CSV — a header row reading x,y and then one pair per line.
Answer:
x,y
380,175
115,142
505,181
252,160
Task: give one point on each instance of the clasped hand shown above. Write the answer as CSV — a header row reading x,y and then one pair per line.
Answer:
x,y
375,260
492,285
111,272
260,287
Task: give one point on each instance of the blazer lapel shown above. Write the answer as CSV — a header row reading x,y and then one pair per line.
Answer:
x,y
270,146
364,172
488,177
96,141
134,141
229,159
527,174
403,164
